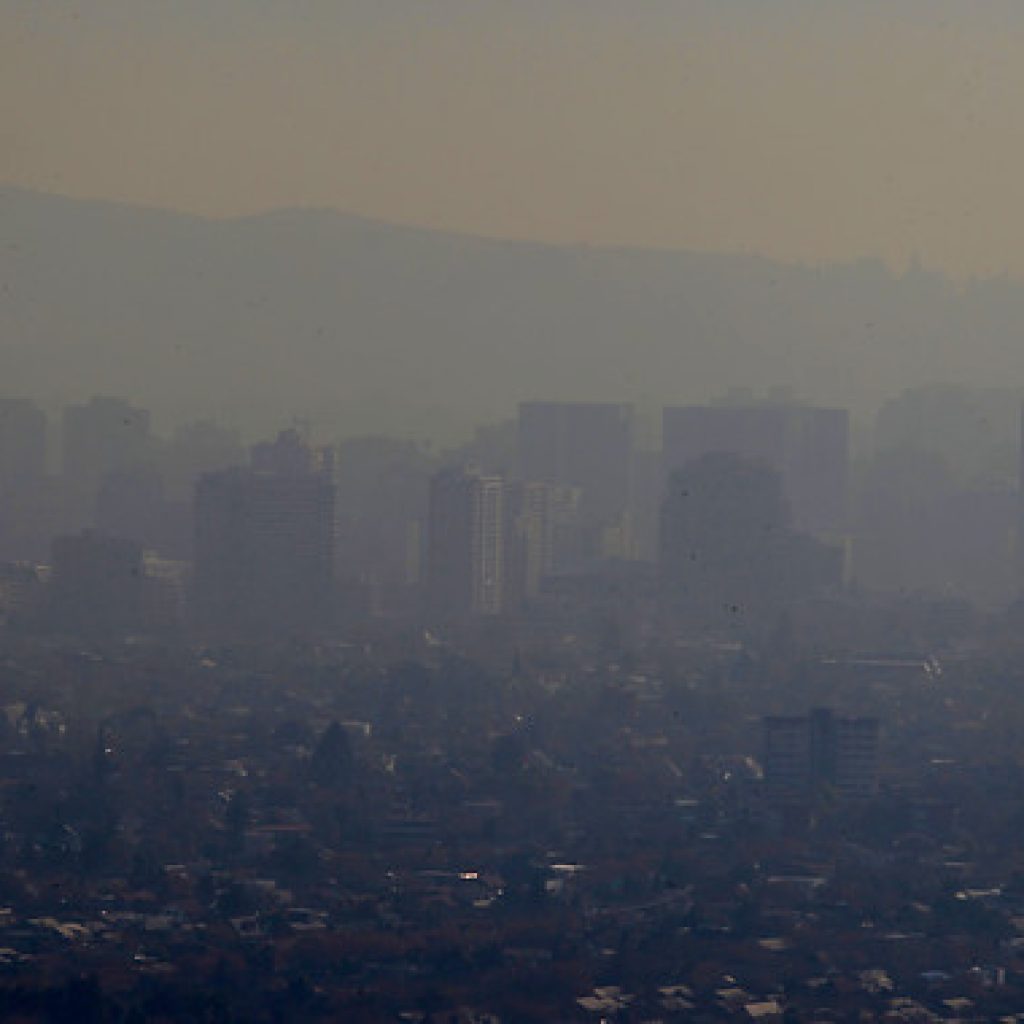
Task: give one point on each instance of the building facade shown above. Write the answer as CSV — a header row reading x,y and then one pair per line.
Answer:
x,y
465,558
264,543
806,445
818,753
586,447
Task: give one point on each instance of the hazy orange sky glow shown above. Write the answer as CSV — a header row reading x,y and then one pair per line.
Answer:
x,y
810,131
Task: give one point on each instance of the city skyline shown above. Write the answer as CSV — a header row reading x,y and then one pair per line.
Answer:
x,y
511,512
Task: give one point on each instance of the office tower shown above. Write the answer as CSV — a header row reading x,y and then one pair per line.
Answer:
x,y
728,554
264,543
808,446
820,753
584,445
465,562
22,443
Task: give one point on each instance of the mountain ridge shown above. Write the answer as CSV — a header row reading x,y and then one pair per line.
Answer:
x,y
366,326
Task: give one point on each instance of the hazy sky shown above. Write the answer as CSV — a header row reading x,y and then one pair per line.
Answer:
x,y
817,130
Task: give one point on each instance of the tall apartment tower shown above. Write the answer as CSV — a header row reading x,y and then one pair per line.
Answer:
x,y
465,561
808,446
808,753
264,543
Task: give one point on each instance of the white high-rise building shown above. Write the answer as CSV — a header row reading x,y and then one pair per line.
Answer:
x,y
465,564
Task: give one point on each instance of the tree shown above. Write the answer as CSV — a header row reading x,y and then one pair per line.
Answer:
x,y
333,761
507,753
236,819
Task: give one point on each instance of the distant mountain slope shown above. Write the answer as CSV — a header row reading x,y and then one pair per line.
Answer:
x,y
367,326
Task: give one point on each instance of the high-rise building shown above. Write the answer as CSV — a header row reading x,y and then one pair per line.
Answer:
x,y
264,543
488,546
465,563
728,553
808,446
583,445
821,752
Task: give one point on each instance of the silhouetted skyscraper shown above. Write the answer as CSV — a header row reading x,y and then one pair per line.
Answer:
x,y
728,552
264,543
808,446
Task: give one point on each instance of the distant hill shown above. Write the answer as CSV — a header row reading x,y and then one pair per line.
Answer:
x,y
366,326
